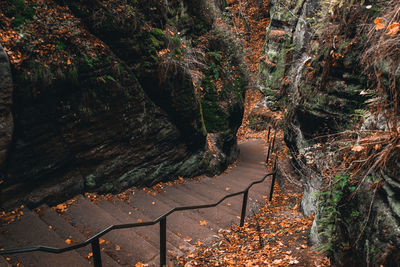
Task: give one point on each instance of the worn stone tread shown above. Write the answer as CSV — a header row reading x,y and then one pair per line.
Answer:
x,y
185,199
215,189
30,230
66,231
178,222
224,215
3,262
126,214
126,247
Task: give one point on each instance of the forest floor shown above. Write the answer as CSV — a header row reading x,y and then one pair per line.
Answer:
x,y
278,234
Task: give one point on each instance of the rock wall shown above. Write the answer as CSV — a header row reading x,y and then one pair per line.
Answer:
x,y
119,109
6,120
313,73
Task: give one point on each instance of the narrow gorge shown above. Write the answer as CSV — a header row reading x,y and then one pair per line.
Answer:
x,y
107,99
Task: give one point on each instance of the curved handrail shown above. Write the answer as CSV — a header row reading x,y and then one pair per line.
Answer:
x,y
128,225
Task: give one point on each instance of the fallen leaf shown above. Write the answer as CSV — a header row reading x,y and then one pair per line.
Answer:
x,y
278,261
153,202
379,24
187,239
393,29
89,255
199,243
357,148
61,207
101,241
68,241
203,223
294,261
68,62
117,248
227,188
139,220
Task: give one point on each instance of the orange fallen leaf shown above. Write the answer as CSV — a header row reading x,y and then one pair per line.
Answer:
x,y
203,223
139,264
101,241
379,24
89,255
199,243
357,148
227,188
68,62
139,220
153,202
393,29
117,248
68,241
61,207
187,239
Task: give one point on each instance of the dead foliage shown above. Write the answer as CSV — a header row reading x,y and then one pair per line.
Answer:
x,y
382,57
275,236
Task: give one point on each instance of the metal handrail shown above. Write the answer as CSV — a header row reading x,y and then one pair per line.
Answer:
x,y
162,219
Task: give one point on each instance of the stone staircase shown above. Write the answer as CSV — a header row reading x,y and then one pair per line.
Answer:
x,y
84,218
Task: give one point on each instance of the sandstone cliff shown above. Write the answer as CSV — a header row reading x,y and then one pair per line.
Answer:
x,y
112,94
319,69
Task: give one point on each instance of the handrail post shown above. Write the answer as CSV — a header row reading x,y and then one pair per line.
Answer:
x,y
273,179
270,148
269,144
244,205
96,253
163,242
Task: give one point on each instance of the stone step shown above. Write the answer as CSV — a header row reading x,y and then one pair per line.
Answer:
x,y
179,223
126,214
213,193
252,151
242,176
218,217
66,231
257,192
4,263
125,247
30,230
224,215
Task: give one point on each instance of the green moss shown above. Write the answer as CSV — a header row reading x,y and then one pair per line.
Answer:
x,y
268,92
41,75
90,181
72,75
215,120
60,45
21,12
203,125
157,40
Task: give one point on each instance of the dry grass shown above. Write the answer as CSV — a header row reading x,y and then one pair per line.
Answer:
x,y
382,57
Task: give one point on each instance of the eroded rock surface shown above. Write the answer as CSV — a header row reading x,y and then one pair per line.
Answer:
x,y
6,120
122,109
